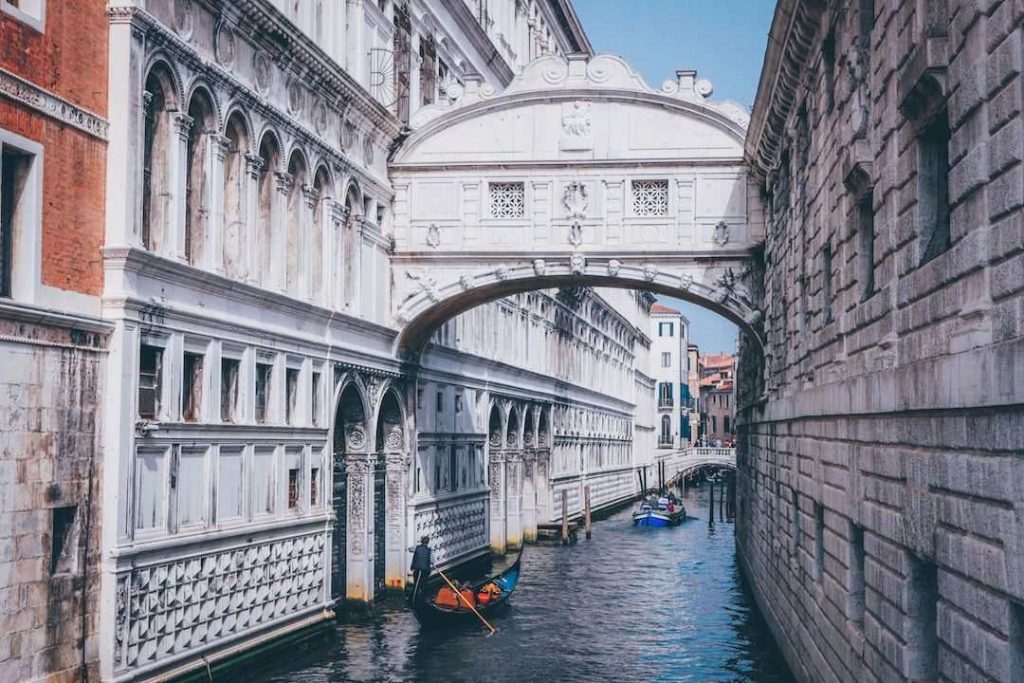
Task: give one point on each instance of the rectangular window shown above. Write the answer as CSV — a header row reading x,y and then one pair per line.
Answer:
x,y
191,386
428,74
314,486
150,368
263,481
857,575
229,368
665,329
933,187
62,552
458,403
866,244
650,198
230,482
714,424
189,483
30,12
826,282
314,405
293,488
291,380
508,200
149,489
922,612
439,402
819,541
14,168
666,359
725,424
264,375
453,464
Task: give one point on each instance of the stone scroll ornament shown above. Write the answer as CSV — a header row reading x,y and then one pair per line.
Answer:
x,y
574,199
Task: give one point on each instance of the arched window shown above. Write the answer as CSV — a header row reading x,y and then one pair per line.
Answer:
x,y
666,429
349,256
270,156
234,196
197,195
322,189
156,188
296,239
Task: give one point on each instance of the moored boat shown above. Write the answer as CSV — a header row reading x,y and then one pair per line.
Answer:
x,y
659,515
443,605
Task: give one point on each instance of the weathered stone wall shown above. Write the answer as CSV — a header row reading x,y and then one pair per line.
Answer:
x,y
881,487
49,523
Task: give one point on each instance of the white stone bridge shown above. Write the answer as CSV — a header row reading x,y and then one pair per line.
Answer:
x,y
578,173
680,463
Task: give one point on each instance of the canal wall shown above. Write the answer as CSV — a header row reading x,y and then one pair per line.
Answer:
x,y
880,506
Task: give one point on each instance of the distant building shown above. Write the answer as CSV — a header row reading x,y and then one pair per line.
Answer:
x,y
670,368
717,400
693,388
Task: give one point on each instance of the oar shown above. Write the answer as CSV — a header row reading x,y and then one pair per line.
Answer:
x,y
463,598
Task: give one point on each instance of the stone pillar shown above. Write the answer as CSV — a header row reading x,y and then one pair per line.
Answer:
x,y
307,223
355,54
529,496
496,481
359,555
214,249
513,499
177,173
279,230
543,484
396,483
253,166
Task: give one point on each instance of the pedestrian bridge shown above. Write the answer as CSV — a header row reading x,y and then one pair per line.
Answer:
x,y
577,174
680,463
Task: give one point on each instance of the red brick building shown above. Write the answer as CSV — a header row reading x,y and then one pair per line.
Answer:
x,y
717,398
53,75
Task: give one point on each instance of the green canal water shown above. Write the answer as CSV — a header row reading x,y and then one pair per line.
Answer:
x,y
628,605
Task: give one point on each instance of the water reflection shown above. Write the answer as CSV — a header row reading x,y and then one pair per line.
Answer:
x,y
628,605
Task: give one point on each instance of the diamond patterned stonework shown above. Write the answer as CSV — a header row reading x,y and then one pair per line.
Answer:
x,y
508,200
454,529
168,609
650,197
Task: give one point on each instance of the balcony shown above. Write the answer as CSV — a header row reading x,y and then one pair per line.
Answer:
x,y
664,402
665,441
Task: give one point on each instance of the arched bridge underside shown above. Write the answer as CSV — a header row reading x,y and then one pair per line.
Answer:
x,y
576,174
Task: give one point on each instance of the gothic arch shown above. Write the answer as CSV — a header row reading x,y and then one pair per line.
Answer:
x,y
513,431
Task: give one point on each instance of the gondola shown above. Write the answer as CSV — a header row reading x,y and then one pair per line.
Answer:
x,y
426,608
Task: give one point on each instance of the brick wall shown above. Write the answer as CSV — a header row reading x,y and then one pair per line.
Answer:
x,y
881,449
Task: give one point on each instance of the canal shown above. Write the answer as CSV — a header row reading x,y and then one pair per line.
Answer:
x,y
627,605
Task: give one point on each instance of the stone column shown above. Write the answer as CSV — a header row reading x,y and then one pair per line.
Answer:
x,y
334,267
253,166
496,481
396,476
279,230
177,173
214,250
543,484
513,498
307,223
359,555
529,495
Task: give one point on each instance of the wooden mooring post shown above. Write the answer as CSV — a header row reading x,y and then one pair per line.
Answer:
x,y
586,510
565,517
711,506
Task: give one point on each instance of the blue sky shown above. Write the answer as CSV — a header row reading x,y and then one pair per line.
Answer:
x,y
723,40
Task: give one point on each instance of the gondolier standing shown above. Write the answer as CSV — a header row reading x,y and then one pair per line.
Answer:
x,y
420,565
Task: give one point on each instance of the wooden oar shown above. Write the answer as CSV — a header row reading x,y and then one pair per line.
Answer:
x,y
463,598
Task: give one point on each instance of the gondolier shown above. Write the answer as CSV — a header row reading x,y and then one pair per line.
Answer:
x,y
420,564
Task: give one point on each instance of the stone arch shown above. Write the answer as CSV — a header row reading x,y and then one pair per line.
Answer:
x,y
163,65
296,240
529,428
199,87
202,110
237,148
323,191
391,444
162,98
512,428
347,437
269,151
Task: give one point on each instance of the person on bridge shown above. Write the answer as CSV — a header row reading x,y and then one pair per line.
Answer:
x,y
420,565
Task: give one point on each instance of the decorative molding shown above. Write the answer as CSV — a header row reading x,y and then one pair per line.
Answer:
x,y
31,95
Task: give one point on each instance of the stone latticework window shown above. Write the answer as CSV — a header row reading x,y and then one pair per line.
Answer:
x,y
508,200
650,197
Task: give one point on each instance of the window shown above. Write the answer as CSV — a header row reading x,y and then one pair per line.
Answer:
x,y
191,386
293,488
923,598
665,393
189,477
666,329
314,486
650,198
933,187
865,212
666,359
263,481
315,400
228,388
264,374
149,489
62,552
508,200
14,174
826,282
291,380
666,429
725,424
453,465
30,12
439,402
230,482
714,424
150,368
428,73
458,403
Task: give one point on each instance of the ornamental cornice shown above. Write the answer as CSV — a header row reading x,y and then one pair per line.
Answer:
x,y
34,97
793,31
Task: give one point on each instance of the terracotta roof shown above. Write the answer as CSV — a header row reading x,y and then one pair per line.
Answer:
x,y
711,380
661,309
722,360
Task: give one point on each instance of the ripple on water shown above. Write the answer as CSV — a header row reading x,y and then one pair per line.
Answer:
x,y
628,605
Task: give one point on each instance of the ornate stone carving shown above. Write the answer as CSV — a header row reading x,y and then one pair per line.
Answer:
x,y
263,71
347,137
575,200
254,165
494,480
183,125
721,234
368,149
177,606
465,281
182,14
613,267
224,44
685,281
577,264
296,97
427,284
495,440
453,529
539,267
319,115
650,272
394,441
33,96
576,133
501,273
433,236
355,438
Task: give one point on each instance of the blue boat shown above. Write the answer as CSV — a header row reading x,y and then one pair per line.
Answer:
x,y
658,515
